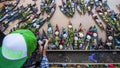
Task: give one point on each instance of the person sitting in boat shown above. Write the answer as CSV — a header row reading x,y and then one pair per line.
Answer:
x,y
61,42
95,29
64,35
90,32
109,30
50,30
88,37
57,30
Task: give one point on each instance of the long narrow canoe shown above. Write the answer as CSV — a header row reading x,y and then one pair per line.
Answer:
x,y
94,43
88,39
110,37
97,21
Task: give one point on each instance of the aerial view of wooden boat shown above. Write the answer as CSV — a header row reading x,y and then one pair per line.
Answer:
x,y
75,44
57,36
67,7
66,43
81,36
61,43
88,39
85,8
53,9
97,21
79,7
110,37
94,43
90,6
50,35
71,34
50,31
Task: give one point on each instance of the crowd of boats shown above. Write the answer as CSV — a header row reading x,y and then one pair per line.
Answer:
x,y
30,18
69,39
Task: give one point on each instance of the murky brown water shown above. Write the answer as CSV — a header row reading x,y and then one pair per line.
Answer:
x,y
62,20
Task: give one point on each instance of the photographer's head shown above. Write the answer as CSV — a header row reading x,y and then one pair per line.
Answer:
x,y
16,48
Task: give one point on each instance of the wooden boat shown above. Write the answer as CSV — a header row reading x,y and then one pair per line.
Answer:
x,y
85,8
38,24
61,43
110,37
65,37
81,36
90,6
97,21
67,8
50,32
75,45
80,7
71,34
94,43
88,39
53,9
57,36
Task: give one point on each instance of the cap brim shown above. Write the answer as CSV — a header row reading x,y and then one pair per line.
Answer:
x,y
5,63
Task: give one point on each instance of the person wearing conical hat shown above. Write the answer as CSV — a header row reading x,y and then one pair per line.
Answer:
x,y
17,47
